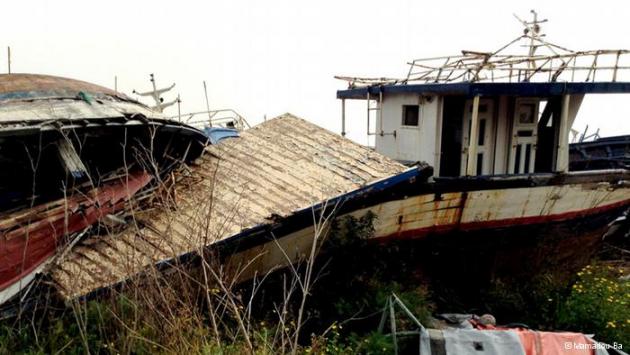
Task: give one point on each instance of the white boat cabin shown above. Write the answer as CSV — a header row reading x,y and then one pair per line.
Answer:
x,y
488,113
490,133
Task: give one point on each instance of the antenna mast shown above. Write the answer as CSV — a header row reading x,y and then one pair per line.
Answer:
x,y
532,30
205,91
160,105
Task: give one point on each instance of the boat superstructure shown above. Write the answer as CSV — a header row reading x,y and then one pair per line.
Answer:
x,y
520,106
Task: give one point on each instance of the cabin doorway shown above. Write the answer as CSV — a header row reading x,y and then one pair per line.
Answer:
x,y
524,136
485,140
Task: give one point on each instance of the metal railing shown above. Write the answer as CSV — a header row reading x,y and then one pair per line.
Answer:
x,y
543,62
227,118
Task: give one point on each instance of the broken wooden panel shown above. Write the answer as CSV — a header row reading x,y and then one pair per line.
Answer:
x,y
70,160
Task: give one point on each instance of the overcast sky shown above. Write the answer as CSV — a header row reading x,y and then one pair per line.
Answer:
x,y
270,57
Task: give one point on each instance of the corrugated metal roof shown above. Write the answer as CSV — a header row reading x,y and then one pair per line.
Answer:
x,y
273,169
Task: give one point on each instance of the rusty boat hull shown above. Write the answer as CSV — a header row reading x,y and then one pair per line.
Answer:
x,y
510,225
472,229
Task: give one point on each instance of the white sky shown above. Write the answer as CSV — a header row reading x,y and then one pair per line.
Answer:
x,y
270,57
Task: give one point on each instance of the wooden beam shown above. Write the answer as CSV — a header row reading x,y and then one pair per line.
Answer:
x,y
72,163
562,159
471,166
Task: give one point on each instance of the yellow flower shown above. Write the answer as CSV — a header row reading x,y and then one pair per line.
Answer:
x,y
611,325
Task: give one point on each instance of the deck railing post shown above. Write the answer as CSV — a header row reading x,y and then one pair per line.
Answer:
x,y
367,99
471,166
562,159
343,117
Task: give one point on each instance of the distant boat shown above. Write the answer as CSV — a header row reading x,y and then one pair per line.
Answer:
x,y
602,153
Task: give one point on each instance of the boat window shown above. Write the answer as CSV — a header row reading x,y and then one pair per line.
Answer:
x,y
479,163
526,114
411,115
528,152
517,158
482,132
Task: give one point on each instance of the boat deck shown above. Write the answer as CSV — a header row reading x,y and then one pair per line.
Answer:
x,y
281,166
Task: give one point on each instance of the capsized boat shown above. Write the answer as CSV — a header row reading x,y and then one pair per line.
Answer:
x,y
74,154
252,203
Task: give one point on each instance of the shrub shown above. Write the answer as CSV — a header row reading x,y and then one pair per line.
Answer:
x,y
599,303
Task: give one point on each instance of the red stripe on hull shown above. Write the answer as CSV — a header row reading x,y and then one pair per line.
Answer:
x,y
503,223
24,248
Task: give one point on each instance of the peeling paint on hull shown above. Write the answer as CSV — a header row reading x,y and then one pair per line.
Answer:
x,y
568,230
464,211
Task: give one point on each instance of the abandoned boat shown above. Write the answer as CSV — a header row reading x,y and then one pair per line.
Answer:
x,y
73,156
495,127
601,153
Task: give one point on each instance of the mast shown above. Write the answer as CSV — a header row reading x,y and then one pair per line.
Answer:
x,y
156,93
532,31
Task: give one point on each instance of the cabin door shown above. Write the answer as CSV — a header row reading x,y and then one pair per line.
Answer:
x,y
524,137
485,140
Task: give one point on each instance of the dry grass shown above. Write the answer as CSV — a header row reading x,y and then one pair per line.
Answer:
x,y
192,307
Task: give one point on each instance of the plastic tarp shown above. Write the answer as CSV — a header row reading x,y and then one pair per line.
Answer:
x,y
488,342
